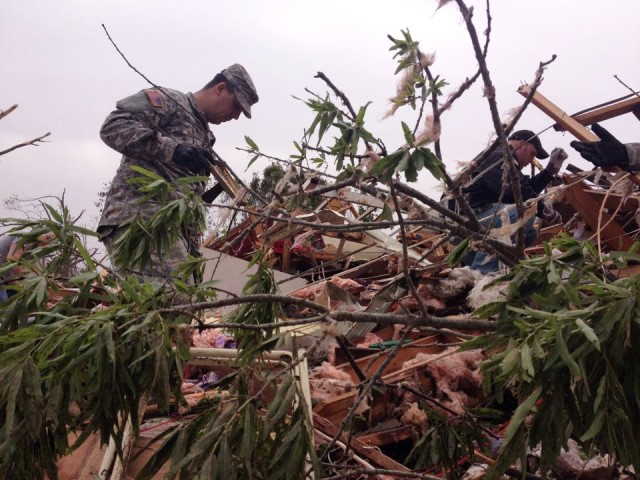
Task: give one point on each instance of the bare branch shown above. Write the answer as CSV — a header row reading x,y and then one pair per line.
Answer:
x,y
4,113
33,142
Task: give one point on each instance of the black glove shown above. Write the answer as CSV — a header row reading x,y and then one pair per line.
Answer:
x,y
608,152
196,160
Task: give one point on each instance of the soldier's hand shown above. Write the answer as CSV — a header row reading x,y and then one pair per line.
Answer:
x,y
608,152
197,160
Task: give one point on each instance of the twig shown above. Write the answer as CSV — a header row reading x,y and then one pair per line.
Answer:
x,y
4,113
405,254
339,94
633,92
25,144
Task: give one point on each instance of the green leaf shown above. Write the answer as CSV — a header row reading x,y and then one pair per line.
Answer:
x,y
146,173
433,163
361,112
519,415
404,162
84,277
525,359
12,395
595,428
253,159
417,158
455,257
54,213
251,143
589,333
408,135
566,356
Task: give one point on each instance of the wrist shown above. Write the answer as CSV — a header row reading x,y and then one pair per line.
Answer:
x,y
552,169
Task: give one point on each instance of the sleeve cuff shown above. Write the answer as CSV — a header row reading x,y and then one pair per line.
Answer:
x,y
168,147
633,152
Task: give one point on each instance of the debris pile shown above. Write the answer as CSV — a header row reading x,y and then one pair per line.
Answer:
x,y
383,389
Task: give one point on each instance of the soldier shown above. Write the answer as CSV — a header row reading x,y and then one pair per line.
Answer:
x,y
167,132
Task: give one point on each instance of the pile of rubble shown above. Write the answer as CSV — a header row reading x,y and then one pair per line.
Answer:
x,y
324,258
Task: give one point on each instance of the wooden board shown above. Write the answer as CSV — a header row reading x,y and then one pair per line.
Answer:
x,y
589,209
604,113
387,437
83,463
560,116
372,454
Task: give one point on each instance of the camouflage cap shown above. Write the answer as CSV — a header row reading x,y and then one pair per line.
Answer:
x,y
242,85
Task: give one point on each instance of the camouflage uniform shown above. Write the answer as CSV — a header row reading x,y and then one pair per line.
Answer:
x,y
633,151
146,128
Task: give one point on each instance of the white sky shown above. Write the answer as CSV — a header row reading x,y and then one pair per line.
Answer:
x,y
60,68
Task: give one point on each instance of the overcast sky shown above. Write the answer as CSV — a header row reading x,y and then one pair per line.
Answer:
x,y
60,68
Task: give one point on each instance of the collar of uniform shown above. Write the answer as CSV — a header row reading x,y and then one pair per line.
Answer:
x,y
197,111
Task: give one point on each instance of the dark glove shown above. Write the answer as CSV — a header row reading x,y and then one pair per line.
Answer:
x,y
196,160
608,152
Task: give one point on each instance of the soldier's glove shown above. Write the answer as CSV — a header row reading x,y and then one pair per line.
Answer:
x,y
608,152
196,160
558,155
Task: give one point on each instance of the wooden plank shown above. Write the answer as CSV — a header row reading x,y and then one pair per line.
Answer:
x,y
224,178
630,271
370,364
612,200
386,437
83,463
560,116
367,451
610,232
604,113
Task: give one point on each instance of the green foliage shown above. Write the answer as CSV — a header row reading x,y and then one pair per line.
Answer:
x,y
237,438
458,253
350,131
565,346
102,361
181,213
92,357
409,59
253,149
410,161
265,184
250,342
446,441
65,256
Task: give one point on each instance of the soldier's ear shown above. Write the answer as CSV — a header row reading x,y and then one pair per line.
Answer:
x,y
219,87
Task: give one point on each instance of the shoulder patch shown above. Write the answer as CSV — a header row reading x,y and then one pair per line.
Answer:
x,y
155,98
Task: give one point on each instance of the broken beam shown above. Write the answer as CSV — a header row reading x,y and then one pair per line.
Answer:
x,y
604,113
561,117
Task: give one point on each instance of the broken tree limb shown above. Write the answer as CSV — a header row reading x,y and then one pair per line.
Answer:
x,y
33,142
4,113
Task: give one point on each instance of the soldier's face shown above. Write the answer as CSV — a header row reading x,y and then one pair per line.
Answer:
x,y
227,107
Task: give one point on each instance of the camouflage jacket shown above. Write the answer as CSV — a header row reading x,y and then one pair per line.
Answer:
x,y
146,128
633,151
